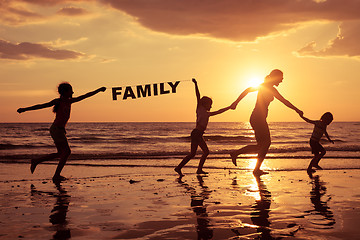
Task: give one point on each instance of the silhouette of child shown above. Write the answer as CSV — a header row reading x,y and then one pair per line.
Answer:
x,y
202,118
319,130
62,109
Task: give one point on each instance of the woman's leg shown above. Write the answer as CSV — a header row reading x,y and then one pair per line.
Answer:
x,y
245,150
263,139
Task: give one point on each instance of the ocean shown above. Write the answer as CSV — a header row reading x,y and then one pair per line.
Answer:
x,y
164,144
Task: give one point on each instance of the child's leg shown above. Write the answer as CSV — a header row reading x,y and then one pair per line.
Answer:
x,y
312,162
194,146
35,162
64,153
318,151
205,150
316,162
245,150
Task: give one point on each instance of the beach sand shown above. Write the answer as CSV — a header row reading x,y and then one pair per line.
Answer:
x,y
153,203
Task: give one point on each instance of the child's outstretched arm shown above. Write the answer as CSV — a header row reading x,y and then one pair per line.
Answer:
x,y
38,106
242,95
328,137
219,111
306,119
197,92
89,94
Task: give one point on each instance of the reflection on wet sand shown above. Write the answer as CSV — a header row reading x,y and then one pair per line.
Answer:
x,y
320,204
260,215
58,213
203,227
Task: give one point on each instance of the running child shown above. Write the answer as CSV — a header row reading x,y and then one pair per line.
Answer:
x,y
62,109
202,118
319,130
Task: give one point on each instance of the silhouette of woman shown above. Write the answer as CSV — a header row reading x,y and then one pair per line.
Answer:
x,y
266,94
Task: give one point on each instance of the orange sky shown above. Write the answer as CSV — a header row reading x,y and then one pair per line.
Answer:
x,y
223,44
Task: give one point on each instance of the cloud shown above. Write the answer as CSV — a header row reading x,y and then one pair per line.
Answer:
x,y
26,50
246,20
22,12
13,14
61,42
51,2
72,11
346,43
232,19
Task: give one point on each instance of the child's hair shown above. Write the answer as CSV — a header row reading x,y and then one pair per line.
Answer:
x,y
327,117
62,89
205,100
274,73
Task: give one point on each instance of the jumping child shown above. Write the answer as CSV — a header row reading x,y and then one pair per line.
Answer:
x,y
202,118
62,108
319,130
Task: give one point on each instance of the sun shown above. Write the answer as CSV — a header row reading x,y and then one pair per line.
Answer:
x,y
254,81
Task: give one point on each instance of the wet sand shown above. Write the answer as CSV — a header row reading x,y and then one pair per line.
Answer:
x,y
153,203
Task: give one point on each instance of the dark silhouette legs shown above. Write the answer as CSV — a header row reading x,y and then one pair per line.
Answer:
x,y
194,145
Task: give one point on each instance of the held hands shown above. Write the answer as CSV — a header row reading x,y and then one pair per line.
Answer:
x,y
301,113
332,141
252,89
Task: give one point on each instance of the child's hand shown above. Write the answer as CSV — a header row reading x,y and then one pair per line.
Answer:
x,y
20,110
194,80
102,89
301,113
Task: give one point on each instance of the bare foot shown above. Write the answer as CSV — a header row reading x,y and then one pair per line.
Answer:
x,y
318,167
233,158
178,170
33,165
201,172
58,178
310,170
259,172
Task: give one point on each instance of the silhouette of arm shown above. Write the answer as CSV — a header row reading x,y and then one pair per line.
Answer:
x,y
242,95
278,96
219,111
197,92
38,106
89,94
328,137
308,120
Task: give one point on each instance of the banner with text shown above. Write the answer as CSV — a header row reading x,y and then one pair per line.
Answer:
x,y
144,90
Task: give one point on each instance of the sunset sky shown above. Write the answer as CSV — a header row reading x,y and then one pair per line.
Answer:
x,y
226,45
